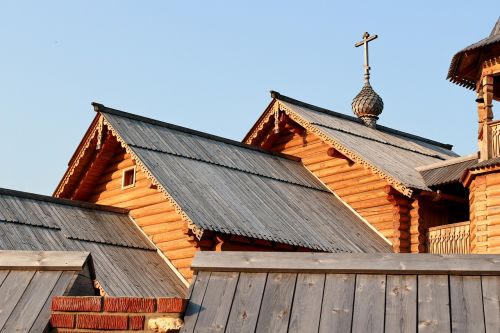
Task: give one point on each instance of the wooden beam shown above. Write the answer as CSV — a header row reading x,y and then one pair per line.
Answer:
x,y
393,263
43,260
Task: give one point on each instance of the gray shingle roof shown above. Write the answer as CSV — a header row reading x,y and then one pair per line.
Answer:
x,y
125,261
232,188
396,154
447,172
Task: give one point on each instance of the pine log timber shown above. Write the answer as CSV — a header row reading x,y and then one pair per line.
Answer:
x,y
401,239
418,228
96,167
356,185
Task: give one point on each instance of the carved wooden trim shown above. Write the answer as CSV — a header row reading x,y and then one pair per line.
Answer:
x,y
195,229
257,132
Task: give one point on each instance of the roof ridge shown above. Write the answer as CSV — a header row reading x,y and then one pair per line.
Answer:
x,y
61,201
278,96
379,141
104,109
496,28
448,162
232,168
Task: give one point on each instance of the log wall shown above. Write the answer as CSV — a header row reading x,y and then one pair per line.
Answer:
x,y
150,209
355,184
484,199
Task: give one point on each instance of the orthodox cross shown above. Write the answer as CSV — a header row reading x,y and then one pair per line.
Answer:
x,y
366,39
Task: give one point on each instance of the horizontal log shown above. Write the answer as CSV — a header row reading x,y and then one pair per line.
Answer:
x,y
162,227
139,184
142,202
377,202
128,196
360,188
159,208
185,253
332,162
169,236
186,272
175,244
171,216
183,263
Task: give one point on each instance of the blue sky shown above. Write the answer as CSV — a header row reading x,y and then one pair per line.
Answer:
x,y
209,65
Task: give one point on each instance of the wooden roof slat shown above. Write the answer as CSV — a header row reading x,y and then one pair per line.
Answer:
x,y
466,264
43,260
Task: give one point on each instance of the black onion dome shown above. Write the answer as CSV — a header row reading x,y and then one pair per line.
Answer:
x,y
367,105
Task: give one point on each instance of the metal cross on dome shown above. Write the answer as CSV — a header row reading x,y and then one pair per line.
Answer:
x,y
366,39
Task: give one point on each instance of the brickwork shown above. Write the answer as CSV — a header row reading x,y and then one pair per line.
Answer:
x,y
112,314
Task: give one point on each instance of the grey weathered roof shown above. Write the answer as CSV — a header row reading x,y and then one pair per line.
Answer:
x,y
392,153
470,55
446,172
232,188
27,287
126,263
323,292
486,163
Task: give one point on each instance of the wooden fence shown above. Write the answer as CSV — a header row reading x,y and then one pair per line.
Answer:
x,y
450,238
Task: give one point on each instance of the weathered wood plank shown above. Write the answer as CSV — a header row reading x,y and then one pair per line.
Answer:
x,y
491,302
466,304
194,307
338,302
401,303
12,290
276,303
43,260
392,263
3,275
31,303
306,308
217,302
433,303
62,284
369,307
246,303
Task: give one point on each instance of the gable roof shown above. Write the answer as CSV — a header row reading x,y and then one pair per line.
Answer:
x,y
231,188
391,154
29,280
470,57
324,292
121,253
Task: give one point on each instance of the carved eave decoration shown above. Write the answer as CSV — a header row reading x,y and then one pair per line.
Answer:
x,y
258,135
91,142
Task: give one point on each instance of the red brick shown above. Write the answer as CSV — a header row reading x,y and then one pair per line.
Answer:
x,y
171,305
136,322
102,321
62,320
129,304
76,303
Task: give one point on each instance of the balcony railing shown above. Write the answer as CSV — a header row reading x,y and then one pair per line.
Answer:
x,y
450,238
494,139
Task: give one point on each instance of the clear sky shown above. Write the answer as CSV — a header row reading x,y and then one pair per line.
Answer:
x,y
209,65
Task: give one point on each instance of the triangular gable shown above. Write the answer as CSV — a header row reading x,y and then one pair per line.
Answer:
x,y
390,154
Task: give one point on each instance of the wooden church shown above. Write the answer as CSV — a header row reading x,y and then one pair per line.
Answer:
x,y
304,178
141,195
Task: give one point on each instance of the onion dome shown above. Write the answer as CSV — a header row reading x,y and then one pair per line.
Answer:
x,y
367,105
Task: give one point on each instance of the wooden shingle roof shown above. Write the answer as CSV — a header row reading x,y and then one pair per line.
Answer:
x,y
232,188
391,154
126,263
324,292
465,63
446,172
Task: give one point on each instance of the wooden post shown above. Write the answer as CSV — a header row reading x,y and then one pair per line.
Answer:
x,y
485,114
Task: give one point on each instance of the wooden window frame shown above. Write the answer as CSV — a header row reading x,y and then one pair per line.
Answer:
x,y
133,169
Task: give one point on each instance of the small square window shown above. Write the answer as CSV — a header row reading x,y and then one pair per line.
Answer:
x,y
128,178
